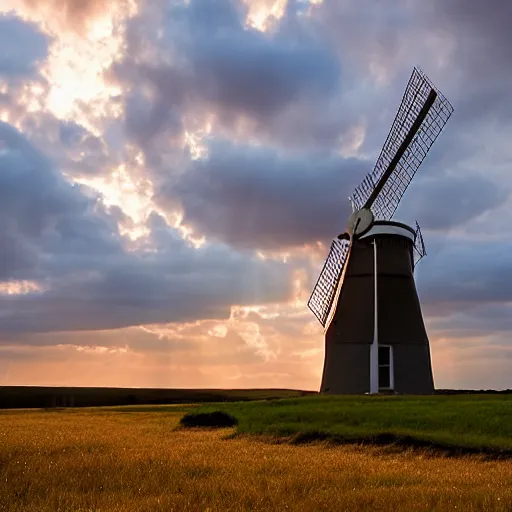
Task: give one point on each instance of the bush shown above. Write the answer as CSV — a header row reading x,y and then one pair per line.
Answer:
x,y
216,419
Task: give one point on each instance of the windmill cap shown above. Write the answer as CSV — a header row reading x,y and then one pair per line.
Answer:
x,y
389,227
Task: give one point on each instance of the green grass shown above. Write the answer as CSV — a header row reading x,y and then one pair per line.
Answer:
x,y
461,423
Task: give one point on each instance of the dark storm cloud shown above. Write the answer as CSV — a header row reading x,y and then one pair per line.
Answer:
x,y
256,197
60,235
22,47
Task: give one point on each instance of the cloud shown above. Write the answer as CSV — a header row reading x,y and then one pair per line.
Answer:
x,y
252,134
42,212
489,27
485,320
68,144
80,152
243,353
64,237
442,202
208,72
22,48
259,198
206,64
248,71
465,271
74,14
255,196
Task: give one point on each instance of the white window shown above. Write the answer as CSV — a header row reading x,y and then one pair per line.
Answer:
x,y
386,380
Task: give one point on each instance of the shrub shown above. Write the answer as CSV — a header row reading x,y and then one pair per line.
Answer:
x,y
216,419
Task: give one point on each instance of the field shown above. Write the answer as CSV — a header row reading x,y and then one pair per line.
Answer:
x,y
136,459
461,423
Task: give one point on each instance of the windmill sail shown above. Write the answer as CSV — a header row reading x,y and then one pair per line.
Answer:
x,y
421,116
419,246
324,292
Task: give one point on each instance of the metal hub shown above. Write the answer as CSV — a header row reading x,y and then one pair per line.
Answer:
x,y
360,222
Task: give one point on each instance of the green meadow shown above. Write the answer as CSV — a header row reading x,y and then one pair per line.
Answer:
x,y
456,423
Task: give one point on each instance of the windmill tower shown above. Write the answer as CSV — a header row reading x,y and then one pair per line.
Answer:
x,y
365,296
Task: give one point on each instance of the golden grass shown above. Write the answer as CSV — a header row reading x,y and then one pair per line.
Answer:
x,y
84,460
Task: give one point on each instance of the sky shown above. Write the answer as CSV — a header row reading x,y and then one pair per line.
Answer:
x,y
172,174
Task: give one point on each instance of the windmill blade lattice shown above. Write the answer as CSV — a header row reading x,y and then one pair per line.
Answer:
x,y
415,98
419,246
324,292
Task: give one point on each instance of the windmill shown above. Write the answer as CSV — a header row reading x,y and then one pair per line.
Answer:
x,y
365,296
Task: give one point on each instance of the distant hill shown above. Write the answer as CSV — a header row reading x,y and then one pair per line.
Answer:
x,y
22,397
17,397
473,392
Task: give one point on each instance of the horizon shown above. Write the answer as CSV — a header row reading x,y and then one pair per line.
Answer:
x,y
173,172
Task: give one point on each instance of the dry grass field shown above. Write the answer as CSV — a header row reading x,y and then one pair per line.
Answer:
x,y
113,460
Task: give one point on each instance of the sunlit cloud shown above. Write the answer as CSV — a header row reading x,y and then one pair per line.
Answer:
x,y
75,72
20,287
195,142
262,13
97,349
219,331
128,191
75,69
351,141
175,220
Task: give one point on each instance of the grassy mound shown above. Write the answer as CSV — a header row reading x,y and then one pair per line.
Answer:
x,y
215,419
455,424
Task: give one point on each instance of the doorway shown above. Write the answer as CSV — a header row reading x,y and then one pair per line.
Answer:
x,y
386,377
